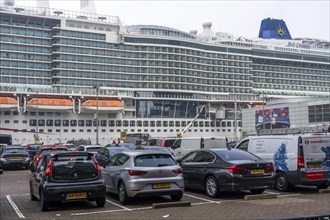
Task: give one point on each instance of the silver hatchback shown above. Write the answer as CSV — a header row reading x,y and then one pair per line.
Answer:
x,y
143,173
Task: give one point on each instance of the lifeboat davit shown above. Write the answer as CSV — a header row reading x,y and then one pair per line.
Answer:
x,y
104,105
50,104
8,103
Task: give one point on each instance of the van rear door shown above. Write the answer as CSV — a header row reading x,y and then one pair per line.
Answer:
x,y
316,152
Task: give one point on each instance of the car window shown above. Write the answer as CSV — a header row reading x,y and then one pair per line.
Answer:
x,y
14,150
204,157
154,160
189,157
234,154
112,160
92,149
169,142
40,166
244,145
177,144
120,160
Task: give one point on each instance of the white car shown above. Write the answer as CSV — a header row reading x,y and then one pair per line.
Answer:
x,y
89,148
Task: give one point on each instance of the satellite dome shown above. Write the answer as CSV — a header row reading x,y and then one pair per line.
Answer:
x,y
9,2
194,32
207,24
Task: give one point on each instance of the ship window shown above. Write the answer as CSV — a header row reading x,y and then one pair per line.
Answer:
x,y
195,123
7,121
24,121
81,130
15,113
177,130
201,124
104,123
223,124
201,130
94,122
118,123
103,130
58,130
111,123
189,130
111,130
81,123
33,122
33,130
49,113
138,130
158,123
171,123
125,123
15,121
41,113
24,130
65,123
207,124
89,130
41,122
49,122
49,130
223,130
73,123
57,113
33,113
239,124
65,130
152,123
132,130
73,130
41,130
165,123
195,130
118,130
132,123
228,123
8,113
212,130
145,123
158,130
212,124
88,123
229,130
171,130
165,130
183,124
58,123
177,124
139,123
152,130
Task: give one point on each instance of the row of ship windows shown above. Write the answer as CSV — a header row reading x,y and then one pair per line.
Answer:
x,y
22,21
277,81
291,76
292,87
124,123
23,80
25,48
305,69
25,40
128,130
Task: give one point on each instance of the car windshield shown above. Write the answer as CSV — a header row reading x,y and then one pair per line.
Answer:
x,y
230,155
14,150
92,149
113,151
154,160
34,146
47,151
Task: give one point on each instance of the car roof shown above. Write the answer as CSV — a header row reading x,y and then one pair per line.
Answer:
x,y
134,153
12,146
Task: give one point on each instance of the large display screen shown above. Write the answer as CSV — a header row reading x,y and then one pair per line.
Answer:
x,y
272,118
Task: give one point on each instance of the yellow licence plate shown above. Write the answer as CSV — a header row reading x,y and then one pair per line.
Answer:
x,y
16,157
314,165
80,195
261,171
161,185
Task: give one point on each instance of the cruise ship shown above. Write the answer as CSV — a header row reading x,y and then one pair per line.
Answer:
x,y
75,74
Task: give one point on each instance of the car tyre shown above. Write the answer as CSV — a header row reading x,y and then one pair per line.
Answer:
x,y
323,186
100,202
122,194
176,196
281,182
43,204
257,191
211,187
32,197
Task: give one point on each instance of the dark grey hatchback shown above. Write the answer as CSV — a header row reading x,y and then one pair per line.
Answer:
x,y
216,170
67,176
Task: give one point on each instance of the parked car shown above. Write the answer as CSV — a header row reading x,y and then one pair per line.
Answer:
x,y
222,169
70,147
14,156
151,142
32,149
135,173
299,159
45,149
67,176
128,146
157,149
186,144
104,154
89,148
166,142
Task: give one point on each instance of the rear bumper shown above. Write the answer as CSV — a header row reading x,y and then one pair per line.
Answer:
x,y
309,178
239,183
14,163
59,193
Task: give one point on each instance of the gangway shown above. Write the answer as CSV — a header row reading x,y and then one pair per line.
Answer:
x,y
190,124
300,130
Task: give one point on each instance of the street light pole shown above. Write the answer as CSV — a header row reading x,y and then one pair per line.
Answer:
x,y
97,112
37,128
263,110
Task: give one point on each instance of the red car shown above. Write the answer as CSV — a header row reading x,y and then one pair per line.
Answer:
x,y
45,149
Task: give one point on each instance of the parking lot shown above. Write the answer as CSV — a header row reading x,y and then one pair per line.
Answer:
x,y
301,202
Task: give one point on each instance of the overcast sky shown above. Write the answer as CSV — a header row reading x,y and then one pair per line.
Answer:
x,y
304,18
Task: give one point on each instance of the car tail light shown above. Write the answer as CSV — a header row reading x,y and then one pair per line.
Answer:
x,y
97,166
301,162
237,169
164,143
270,169
136,172
49,168
28,147
178,171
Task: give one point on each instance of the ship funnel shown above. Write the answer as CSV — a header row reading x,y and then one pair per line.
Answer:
x,y
87,6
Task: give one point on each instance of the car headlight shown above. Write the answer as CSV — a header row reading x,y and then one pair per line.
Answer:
x,y
2,159
27,159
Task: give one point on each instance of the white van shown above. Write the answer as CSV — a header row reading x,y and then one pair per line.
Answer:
x,y
298,159
186,144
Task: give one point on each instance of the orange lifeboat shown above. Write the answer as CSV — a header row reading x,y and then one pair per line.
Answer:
x,y
8,103
50,104
104,105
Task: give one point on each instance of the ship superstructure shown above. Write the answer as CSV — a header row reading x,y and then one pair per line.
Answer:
x,y
66,68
